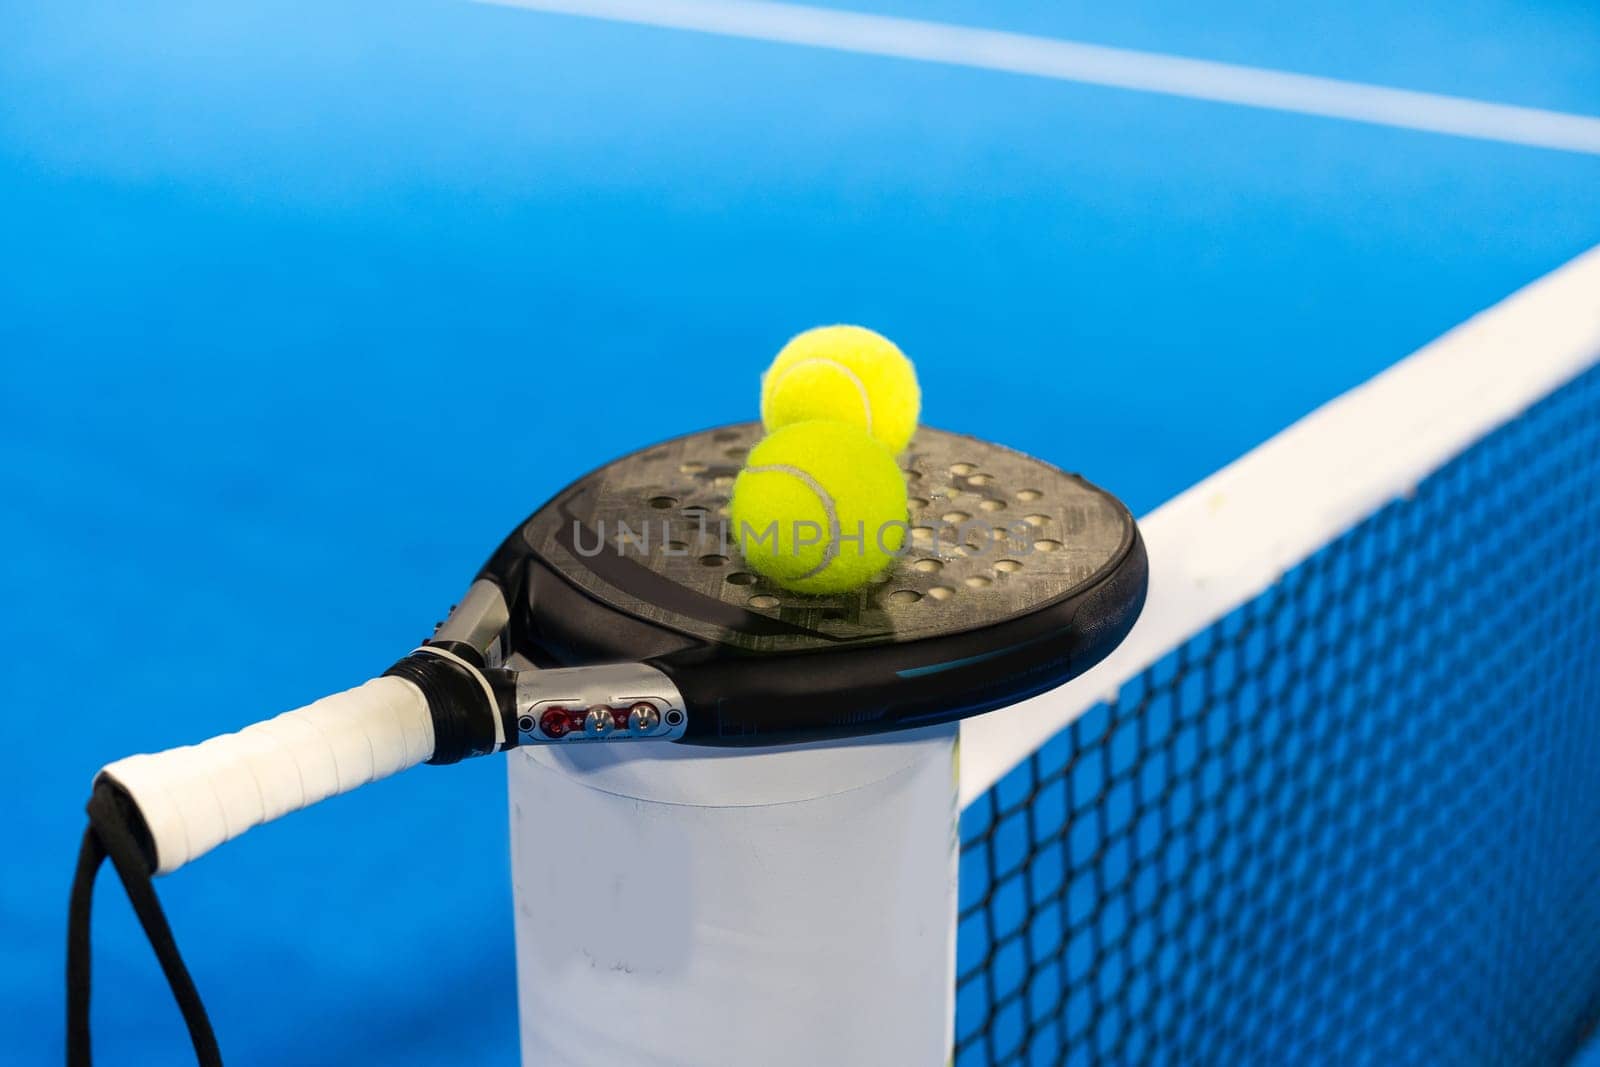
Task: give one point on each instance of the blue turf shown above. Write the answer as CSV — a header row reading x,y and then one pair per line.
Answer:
x,y
302,307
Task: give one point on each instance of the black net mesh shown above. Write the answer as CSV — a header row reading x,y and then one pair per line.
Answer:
x,y
1356,821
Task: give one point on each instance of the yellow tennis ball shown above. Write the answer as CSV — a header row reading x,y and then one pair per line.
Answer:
x,y
820,507
846,373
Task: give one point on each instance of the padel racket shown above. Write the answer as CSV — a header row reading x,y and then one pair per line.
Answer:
x,y
645,627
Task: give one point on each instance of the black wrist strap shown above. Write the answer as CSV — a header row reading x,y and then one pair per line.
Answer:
x,y
115,831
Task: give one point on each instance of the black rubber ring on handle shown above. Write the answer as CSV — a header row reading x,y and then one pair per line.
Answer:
x,y
463,718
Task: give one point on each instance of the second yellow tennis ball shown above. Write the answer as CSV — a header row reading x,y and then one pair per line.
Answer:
x,y
846,373
820,507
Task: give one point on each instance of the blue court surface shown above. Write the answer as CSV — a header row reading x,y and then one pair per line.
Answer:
x,y
302,306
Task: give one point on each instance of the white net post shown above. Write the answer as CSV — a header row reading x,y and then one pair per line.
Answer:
x,y
681,905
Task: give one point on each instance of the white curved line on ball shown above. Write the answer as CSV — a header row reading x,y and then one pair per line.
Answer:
x,y
831,551
861,386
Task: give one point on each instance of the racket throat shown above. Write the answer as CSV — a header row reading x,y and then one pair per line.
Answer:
x,y
476,628
607,702
479,706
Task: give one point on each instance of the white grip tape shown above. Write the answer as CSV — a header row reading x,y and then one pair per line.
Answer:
x,y
196,797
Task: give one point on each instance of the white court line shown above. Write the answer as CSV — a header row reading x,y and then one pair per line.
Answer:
x,y
1072,61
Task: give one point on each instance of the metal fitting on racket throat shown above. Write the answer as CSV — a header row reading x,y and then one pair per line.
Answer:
x,y
476,627
611,702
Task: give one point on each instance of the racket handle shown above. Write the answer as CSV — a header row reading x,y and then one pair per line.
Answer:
x,y
196,797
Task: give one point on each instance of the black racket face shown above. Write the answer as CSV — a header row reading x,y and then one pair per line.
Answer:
x,y
1015,577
